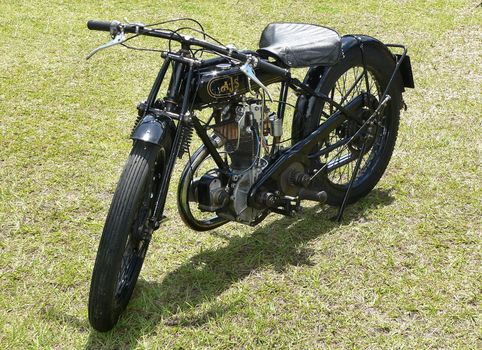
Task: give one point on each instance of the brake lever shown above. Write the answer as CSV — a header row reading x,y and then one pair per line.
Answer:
x,y
118,39
248,70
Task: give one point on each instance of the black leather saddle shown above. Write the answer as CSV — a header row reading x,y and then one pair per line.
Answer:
x,y
301,45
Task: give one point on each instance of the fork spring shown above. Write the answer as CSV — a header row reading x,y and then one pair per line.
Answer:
x,y
186,137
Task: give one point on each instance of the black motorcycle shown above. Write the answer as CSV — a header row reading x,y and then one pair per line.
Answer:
x,y
343,133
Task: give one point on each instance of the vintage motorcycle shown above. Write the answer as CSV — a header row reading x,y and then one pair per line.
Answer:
x,y
343,133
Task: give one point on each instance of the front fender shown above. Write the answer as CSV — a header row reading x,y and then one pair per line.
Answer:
x,y
154,129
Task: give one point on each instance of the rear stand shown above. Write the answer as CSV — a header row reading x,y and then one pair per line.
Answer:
x,y
380,108
339,215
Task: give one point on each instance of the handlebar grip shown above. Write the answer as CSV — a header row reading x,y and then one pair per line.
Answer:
x,y
273,69
99,25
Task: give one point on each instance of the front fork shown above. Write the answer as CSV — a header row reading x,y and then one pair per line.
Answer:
x,y
157,214
157,126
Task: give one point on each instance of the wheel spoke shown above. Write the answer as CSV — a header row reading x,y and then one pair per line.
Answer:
x,y
339,163
351,93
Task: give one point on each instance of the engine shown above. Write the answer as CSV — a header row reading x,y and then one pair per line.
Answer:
x,y
242,129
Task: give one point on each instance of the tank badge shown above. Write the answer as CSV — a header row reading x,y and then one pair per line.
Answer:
x,y
223,86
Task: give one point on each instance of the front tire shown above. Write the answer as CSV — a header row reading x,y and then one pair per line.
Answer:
x,y
126,235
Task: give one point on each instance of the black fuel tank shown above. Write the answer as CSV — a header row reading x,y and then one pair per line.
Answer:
x,y
224,81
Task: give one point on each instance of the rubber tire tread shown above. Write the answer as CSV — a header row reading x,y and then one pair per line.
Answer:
x,y
103,311
376,61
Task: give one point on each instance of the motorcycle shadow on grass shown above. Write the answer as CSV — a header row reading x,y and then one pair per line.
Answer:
x,y
180,299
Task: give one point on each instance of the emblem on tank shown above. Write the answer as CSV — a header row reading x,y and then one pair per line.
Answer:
x,y
223,86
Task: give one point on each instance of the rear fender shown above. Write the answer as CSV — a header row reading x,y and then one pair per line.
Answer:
x,y
405,80
305,104
353,42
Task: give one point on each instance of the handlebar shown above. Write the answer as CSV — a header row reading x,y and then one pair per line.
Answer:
x,y
272,68
99,25
115,27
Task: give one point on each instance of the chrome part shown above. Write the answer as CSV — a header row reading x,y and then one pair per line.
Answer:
x,y
248,70
241,131
118,39
239,209
217,140
256,109
223,66
231,48
276,125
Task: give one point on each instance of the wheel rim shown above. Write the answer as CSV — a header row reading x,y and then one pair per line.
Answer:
x,y
340,163
133,256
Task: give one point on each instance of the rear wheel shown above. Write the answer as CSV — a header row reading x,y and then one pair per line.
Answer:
x,y
343,82
126,235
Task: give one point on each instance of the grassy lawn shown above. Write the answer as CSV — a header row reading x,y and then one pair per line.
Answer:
x,y
402,271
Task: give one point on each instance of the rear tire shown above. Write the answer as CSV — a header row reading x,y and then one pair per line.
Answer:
x,y
126,236
378,155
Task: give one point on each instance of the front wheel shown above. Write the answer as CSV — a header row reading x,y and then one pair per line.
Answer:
x,y
126,235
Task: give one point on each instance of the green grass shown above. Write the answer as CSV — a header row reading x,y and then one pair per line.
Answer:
x,y
402,271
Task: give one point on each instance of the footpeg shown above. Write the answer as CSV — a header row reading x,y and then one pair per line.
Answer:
x,y
312,195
